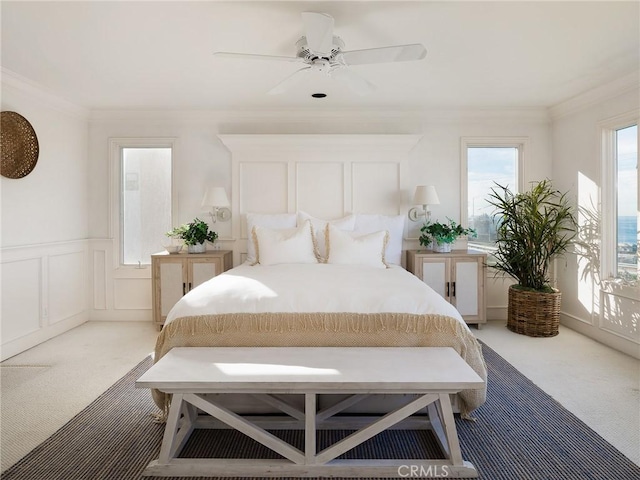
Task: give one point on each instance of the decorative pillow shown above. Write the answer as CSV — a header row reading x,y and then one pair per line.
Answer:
x,y
351,248
345,223
278,221
284,246
394,224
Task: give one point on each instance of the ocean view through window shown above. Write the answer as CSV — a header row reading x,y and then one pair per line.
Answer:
x,y
626,156
486,166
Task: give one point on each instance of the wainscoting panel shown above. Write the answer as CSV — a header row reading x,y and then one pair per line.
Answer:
x,y
271,180
67,279
43,293
620,316
376,187
132,294
21,298
320,189
116,293
324,175
99,280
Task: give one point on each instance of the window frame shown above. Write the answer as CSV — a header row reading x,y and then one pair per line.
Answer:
x,y
116,146
608,191
520,143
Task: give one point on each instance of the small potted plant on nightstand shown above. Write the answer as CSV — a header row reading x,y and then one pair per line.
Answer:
x,y
194,234
440,236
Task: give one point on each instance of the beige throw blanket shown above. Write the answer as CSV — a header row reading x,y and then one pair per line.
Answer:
x,y
326,329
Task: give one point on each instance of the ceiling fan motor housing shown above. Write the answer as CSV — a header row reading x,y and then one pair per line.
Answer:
x,y
309,55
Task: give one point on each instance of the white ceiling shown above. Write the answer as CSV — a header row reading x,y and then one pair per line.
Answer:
x,y
149,55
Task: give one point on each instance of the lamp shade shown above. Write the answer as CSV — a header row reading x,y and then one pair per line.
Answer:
x,y
215,197
426,195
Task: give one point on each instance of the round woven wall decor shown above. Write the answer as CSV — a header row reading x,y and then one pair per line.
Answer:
x,y
19,146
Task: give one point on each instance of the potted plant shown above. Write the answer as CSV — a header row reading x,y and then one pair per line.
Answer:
x,y
442,235
194,235
534,227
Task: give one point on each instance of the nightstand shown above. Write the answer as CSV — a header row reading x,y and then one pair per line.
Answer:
x,y
173,275
458,276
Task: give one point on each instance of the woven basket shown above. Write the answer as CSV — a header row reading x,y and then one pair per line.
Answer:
x,y
18,144
535,314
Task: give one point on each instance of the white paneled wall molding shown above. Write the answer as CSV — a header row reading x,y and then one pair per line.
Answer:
x,y
325,175
117,294
43,293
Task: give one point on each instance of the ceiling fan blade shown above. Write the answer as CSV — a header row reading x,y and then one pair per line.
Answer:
x,y
398,53
319,32
251,56
355,82
290,81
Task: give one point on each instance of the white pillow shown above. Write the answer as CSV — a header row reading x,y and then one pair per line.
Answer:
x,y
279,220
285,245
394,224
350,248
319,226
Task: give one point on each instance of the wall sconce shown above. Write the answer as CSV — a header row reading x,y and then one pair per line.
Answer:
x,y
424,195
216,199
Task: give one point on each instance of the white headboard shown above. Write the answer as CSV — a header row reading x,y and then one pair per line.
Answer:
x,y
326,176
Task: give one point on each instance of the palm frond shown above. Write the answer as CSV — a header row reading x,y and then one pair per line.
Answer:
x,y
534,227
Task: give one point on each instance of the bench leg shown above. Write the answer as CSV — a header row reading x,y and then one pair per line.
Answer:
x,y
183,413
444,427
310,429
170,430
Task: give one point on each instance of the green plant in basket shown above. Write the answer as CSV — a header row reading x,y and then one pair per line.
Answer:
x,y
534,227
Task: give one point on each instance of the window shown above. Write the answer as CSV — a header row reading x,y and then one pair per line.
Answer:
x,y
486,162
142,183
626,203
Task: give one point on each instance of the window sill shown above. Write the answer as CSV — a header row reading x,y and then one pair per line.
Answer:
x,y
126,271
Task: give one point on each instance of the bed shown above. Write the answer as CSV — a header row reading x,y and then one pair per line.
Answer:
x,y
344,294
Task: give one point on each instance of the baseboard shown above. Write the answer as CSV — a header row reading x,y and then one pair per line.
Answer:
x,y
599,335
497,313
120,315
30,340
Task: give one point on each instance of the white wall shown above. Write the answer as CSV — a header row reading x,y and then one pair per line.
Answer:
x,y
58,266
201,160
44,223
587,306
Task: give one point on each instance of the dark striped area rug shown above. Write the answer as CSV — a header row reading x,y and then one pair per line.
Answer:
x,y
521,433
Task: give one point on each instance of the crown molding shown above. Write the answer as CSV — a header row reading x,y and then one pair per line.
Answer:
x,y
529,114
10,79
620,86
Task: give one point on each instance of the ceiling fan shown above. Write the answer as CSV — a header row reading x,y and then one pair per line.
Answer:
x,y
321,51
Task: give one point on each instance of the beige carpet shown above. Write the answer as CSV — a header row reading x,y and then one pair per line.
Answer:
x,y
42,388
45,386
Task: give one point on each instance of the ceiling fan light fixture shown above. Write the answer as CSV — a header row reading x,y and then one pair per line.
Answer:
x,y
322,52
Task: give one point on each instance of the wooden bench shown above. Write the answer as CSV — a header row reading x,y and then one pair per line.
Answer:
x,y
190,374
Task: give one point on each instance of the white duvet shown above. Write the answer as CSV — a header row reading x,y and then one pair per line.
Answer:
x,y
310,288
